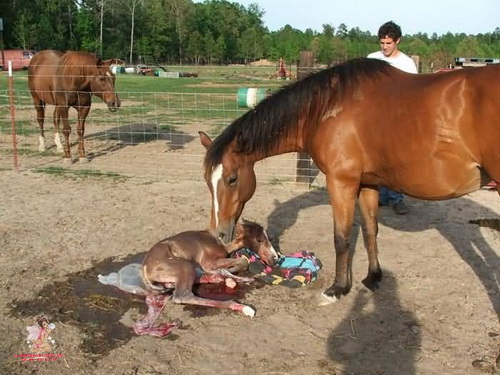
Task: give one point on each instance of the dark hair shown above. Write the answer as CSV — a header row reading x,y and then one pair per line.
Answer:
x,y
40,319
391,30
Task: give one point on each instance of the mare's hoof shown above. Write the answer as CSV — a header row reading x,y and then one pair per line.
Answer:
x,y
333,293
83,160
372,280
248,311
42,148
325,300
67,161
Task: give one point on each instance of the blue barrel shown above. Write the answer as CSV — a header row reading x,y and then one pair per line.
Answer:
x,y
251,96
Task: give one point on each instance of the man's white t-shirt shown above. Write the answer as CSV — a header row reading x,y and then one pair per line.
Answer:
x,y
401,61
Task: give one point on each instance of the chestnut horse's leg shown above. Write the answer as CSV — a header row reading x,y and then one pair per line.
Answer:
x,y
368,203
62,113
82,115
40,117
343,198
57,135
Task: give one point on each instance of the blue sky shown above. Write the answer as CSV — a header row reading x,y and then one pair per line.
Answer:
x,y
427,16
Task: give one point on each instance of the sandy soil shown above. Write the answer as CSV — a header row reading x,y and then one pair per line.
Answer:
x,y
435,313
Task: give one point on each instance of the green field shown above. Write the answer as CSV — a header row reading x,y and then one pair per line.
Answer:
x,y
169,103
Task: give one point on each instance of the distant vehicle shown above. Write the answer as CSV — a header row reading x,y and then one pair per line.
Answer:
x,y
20,58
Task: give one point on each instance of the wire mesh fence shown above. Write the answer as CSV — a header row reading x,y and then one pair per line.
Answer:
x,y
154,135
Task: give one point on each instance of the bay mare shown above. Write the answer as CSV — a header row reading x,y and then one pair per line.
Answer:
x,y
69,80
365,124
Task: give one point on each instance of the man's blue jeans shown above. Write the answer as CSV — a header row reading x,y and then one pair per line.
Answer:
x,y
389,197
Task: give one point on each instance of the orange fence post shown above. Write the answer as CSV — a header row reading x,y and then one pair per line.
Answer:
x,y
13,117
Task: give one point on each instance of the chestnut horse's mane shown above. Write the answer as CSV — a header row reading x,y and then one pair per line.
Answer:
x,y
261,129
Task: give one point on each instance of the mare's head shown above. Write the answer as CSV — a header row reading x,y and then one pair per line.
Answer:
x,y
254,237
231,183
102,84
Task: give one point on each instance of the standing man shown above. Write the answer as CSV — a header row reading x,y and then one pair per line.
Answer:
x,y
389,36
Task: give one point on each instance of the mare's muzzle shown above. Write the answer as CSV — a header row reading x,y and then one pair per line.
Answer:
x,y
113,105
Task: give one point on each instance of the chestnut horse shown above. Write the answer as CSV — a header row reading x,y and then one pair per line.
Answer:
x,y
69,80
364,124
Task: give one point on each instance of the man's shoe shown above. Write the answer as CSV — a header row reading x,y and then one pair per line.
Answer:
x,y
400,208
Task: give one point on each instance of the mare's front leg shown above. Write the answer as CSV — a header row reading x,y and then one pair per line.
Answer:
x,y
62,113
343,198
82,115
368,203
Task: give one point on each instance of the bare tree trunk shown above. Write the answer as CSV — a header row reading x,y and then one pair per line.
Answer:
x,y
100,36
132,35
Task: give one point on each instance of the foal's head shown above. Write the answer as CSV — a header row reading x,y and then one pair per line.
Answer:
x,y
254,237
231,183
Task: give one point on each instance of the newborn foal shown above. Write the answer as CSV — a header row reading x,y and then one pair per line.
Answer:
x,y
173,263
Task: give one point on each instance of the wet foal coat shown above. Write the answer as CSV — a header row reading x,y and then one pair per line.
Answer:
x,y
365,124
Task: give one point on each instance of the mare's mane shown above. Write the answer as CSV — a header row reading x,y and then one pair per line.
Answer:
x,y
78,64
261,129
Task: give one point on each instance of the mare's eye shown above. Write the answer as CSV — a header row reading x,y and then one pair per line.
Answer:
x,y
232,180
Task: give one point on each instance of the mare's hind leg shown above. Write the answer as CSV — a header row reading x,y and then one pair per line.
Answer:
x,y
62,113
368,202
40,117
343,198
57,136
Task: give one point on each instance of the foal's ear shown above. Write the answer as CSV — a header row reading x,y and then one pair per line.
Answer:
x,y
205,139
238,232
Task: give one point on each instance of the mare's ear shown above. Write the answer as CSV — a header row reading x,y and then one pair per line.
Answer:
x,y
205,139
110,62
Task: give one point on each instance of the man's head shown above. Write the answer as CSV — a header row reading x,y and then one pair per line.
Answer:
x,y
389,35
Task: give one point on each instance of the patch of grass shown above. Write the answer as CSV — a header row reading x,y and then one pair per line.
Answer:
x,y
81,173
30,152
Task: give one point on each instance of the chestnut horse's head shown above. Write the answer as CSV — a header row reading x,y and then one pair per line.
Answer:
x,y
231,183
102,84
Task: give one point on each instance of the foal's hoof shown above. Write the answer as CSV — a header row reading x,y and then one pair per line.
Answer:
x,y
248,311
83,160
67,161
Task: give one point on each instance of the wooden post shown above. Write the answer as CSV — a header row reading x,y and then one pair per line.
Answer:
x,y
303,169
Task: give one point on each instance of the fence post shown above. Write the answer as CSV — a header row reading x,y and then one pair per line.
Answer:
x,y
303,168
13,117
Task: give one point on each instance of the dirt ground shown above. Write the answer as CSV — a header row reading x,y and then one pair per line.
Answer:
x,y
435,313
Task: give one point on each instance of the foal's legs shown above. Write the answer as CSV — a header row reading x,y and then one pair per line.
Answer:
x,y
343,198
185,277
40,117
368,203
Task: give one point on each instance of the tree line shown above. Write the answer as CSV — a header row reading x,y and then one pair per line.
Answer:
x,y
211,32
